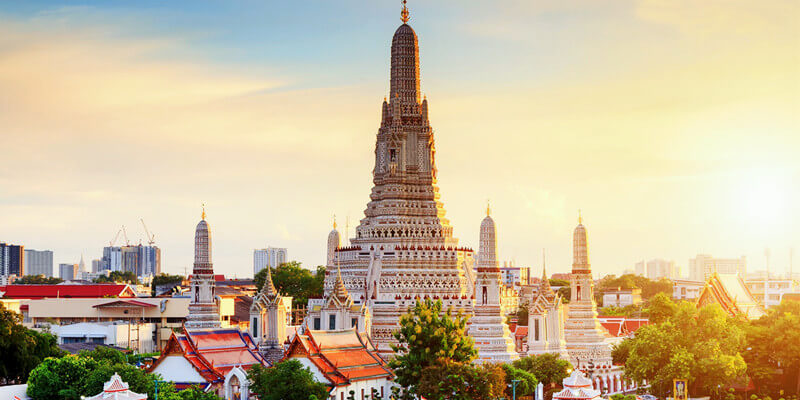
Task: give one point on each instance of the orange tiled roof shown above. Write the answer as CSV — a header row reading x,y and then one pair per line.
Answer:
x,y
214,352
341,356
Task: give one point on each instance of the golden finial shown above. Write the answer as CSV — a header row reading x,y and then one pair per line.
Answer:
x,y
404,13
334,221
488,208
580,219
203,216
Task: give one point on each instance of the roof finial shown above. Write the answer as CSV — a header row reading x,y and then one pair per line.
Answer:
x,y
580,219
203,216
404,13
334,221
488,208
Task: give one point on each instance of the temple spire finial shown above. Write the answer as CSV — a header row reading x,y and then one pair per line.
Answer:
x,y
580,218
488,208
203,215
404,13
334,221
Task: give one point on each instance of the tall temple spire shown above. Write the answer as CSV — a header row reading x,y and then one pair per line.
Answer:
x,y
203,309
405,64
487,247
339,291
580,248
404,14
269,287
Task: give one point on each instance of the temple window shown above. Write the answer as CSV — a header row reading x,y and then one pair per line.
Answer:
x,y
536,329
393,155
332,322
255,327
354,323
317,324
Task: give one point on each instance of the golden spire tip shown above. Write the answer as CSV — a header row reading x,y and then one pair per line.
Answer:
x,y
580,218
334,221
203,216
404,13
488,208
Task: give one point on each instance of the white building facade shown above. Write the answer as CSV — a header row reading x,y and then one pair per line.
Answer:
x,y
703,266
39,262
270,256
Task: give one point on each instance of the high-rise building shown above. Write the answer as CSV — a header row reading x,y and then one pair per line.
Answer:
x,y
404,247
640,268
203,310
514,276
12,260
141,260
97,266
659,268
39,262
703,266
271,256
68,272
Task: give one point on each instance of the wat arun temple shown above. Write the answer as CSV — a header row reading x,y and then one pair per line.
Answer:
x,y
404,249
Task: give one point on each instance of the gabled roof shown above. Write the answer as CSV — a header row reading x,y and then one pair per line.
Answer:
x,y
214,352
124,303
341,356
67,291
732,294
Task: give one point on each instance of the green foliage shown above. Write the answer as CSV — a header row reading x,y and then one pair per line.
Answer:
x,y
633,310
563,288
286,380
620,396
426,335
192,393
559,282
447,379
621,351
661,308
37,280
702,346
104,354
773,349
165,279
291,279
527,381
547,368
73,376
22,349
118,277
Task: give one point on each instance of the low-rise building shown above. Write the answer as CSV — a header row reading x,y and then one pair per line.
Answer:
x,y
771,291
165,313
621,297
138,336
686,290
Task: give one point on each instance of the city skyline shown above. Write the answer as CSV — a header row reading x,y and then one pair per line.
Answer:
x,y
141,123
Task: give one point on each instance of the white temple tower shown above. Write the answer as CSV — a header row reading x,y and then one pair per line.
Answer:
x,y
268,319
334,242
404,246
586,338
203,309
546,321
486,327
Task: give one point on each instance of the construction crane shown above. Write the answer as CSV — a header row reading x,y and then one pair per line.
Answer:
x,y
151,239
114,241
125,234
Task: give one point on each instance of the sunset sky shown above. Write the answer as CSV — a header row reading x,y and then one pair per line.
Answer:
x,y
673,124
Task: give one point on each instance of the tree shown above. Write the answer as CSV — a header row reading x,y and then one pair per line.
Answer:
x,y
37,280
291,279
446,379
773,349
104,354
165,279
428,334
620,351
702,346
548,368
22,349
194,392
286,380
527,381
118,277
661,308
60,378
